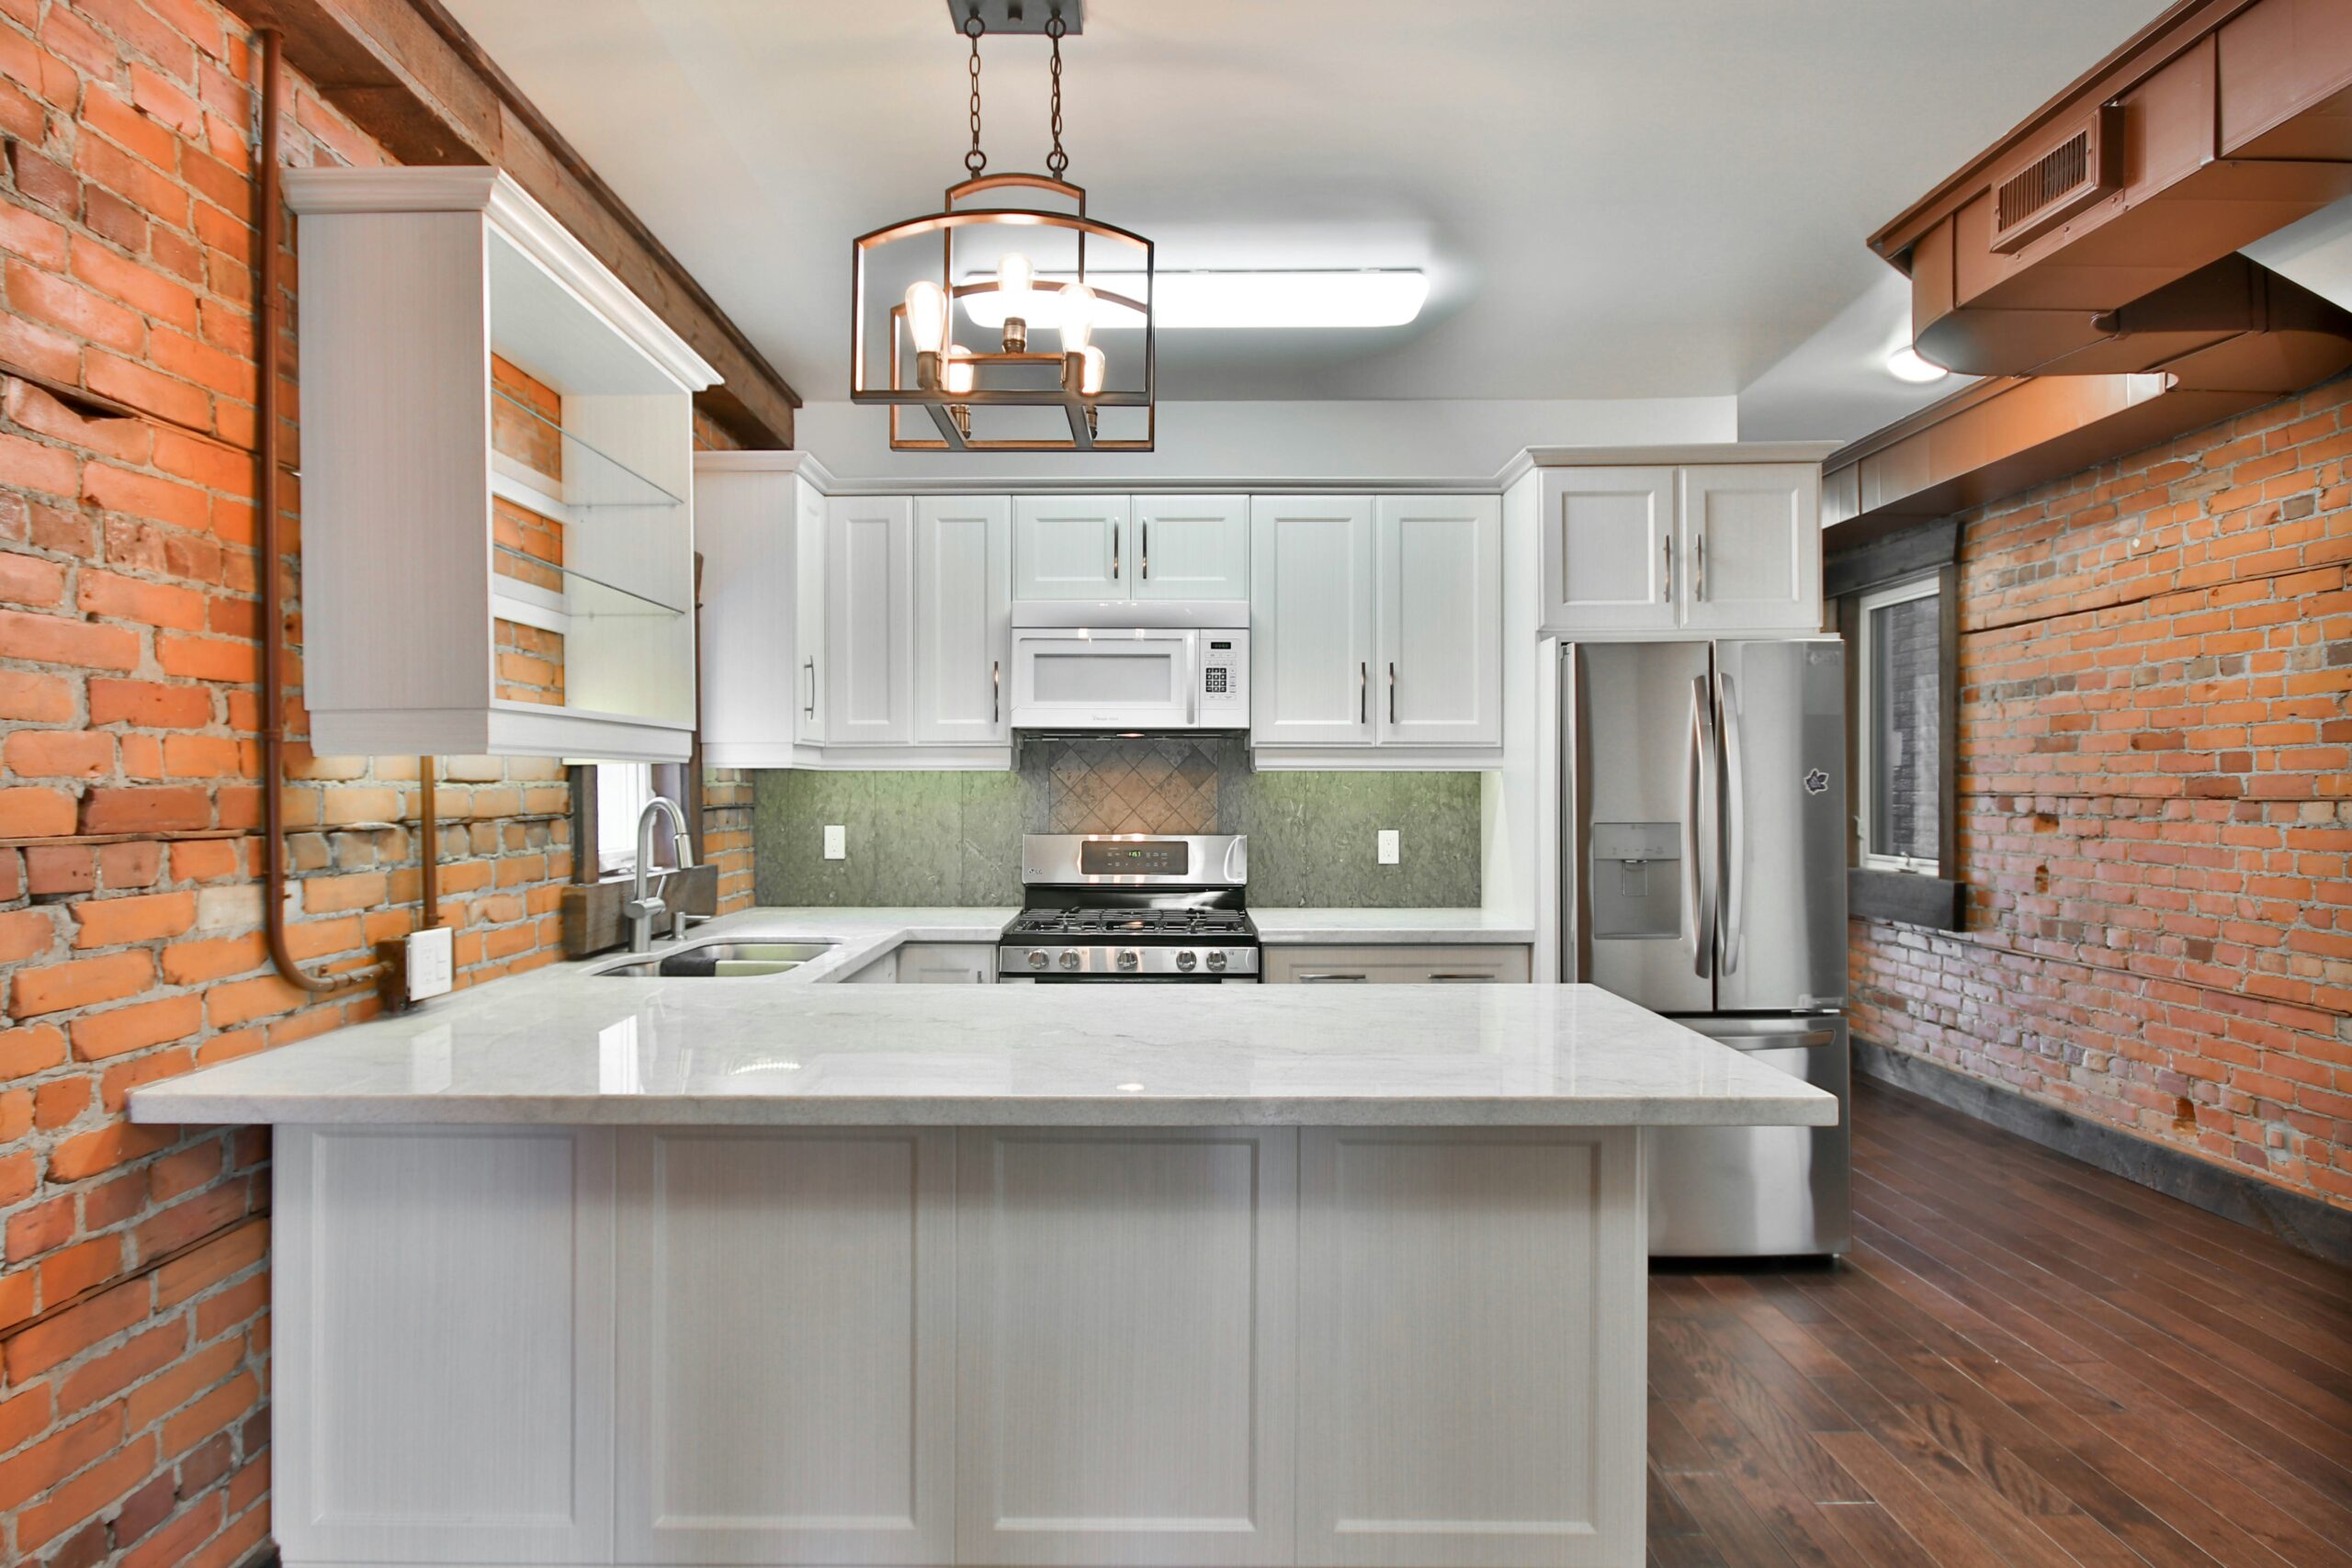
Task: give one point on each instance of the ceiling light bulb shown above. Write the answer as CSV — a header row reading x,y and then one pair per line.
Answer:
x,y
1014,277
926,316
1077,322
1092,367
1904,365
959,371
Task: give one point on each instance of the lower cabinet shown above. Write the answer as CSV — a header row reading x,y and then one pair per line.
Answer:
x,y
947,963
1381,963
1223,1347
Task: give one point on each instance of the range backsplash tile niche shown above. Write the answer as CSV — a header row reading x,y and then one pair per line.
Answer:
x,y
955,838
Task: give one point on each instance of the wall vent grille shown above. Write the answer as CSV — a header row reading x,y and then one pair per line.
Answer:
x,y
2058,183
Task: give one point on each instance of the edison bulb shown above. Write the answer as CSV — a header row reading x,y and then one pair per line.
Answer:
x,y
1077,322
1092,367
959,371
926,315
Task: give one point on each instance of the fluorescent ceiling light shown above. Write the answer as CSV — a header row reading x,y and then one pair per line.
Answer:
x,y
1228,299
1904,365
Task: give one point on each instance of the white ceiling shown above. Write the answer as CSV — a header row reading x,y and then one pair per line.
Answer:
x,y
1614,199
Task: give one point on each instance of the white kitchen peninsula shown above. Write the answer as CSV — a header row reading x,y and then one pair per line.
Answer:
x,y
581,1270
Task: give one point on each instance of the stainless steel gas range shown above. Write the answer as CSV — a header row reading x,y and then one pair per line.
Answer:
x,y
1114,908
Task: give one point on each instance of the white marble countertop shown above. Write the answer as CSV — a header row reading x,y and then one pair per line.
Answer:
x,y
567,1046
1278,928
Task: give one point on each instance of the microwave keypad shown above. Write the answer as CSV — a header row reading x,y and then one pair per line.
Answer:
x,y
1220,677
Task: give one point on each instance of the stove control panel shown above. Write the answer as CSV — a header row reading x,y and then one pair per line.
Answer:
x,y
1102,960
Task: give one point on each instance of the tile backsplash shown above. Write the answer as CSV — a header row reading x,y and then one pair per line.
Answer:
x,y
955,838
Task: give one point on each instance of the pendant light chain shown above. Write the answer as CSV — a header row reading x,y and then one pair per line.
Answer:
x,y
1056,160
976,160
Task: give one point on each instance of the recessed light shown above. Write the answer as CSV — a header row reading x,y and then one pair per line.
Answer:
x,y
1904,365
1130,1088
1374,297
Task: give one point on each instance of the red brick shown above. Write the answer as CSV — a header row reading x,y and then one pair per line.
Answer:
x,y
57,1339
58,754
55,639
149,704
99,1035
145,810
28,697
109,922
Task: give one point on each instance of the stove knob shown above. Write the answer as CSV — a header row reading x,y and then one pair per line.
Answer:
x,y
1216,959
1036,958
1186,959
1070,958
1129,958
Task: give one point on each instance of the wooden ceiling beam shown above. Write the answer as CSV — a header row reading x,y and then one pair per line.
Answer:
x,y
409,75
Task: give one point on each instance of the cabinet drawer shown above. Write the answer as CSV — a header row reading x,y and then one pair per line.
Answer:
x,y
1382,965
947,963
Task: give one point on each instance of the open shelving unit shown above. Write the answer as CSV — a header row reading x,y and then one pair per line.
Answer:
x,y
412,281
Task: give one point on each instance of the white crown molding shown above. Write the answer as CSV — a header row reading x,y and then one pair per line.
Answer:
x,y
532,228
769,460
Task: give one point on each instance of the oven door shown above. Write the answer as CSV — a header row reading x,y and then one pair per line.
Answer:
x,y
1136,678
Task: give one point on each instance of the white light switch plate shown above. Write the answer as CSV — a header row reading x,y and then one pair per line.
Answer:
x,y
836,842
1388,846
432,962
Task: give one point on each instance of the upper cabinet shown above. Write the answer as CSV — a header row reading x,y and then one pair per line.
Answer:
x,y
1072,546
869,620
963,619
1192,547
760,525
537,524
1714,549
1375,630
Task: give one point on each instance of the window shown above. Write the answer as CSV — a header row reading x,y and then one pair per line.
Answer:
x,y
622,790
1898,739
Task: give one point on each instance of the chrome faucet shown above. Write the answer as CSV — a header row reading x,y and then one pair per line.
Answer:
x,y
645,906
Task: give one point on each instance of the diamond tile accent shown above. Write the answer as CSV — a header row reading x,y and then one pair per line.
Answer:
x,y
1159,785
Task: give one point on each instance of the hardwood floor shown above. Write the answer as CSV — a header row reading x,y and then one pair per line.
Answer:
x,y
2024,1360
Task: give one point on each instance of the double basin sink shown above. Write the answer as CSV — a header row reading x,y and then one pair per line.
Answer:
x,y
719,960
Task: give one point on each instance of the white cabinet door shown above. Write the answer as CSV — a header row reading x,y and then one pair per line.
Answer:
x,y
1609,550
1126,1306
809,591
1192,547
788,1345
869,620
947,963
1439,679
1071,547
744,531
1311,575
963,619
1751,547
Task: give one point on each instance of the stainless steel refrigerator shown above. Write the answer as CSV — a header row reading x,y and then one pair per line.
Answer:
x,y
1704,875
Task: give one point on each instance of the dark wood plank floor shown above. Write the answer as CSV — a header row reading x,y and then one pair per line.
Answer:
x,y
2024,1361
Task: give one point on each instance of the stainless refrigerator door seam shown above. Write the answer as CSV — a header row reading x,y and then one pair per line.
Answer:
x,y
1576,829
1699,835
1735,805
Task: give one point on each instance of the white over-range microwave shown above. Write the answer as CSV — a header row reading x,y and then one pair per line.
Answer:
x,y
1120,665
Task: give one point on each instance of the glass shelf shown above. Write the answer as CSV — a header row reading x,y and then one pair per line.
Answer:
x,y
590,477
601,598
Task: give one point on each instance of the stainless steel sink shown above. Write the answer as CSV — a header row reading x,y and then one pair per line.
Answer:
x,y
720,960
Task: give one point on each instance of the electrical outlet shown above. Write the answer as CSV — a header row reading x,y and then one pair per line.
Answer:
x,y
432,962
836,842
1388,855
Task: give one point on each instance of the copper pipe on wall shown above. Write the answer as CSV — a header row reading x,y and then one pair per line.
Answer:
x,y
268,325
428,846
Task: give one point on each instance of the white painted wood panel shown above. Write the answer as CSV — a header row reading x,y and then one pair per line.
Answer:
x,y
963,619
1071,547
1471,1393
869,620
787,1346
1127,1305
1609,550
1752,539
1311,646
814,664
1440,674
947,963
442,1306
1192,547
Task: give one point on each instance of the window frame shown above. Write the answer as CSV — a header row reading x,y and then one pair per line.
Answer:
x,y
1925,585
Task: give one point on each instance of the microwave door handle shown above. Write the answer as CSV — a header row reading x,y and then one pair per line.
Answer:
x,y
1195,674
1698,876
1735,810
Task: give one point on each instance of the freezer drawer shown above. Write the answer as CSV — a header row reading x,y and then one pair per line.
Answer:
x,y
1760,1192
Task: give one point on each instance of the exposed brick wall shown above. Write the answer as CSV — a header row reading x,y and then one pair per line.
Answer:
x,y
2156,802
133,1336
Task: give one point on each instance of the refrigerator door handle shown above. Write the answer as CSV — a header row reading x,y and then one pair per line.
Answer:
x,y
1698,879
1576,828
1735,809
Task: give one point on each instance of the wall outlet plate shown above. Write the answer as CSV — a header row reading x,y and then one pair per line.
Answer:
x,y
432,962
1388,851
836,842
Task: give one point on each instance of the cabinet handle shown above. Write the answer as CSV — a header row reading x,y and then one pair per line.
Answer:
x,y
1146,526
1311,979
1666,592
996,690
1363,693
1392,691
1462,978
809,707
1114,552
1699,580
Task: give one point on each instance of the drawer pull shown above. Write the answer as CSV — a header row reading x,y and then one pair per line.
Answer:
x,y
1471,977
1307,979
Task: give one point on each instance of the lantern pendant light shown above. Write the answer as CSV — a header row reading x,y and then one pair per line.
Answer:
x,y
994,389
